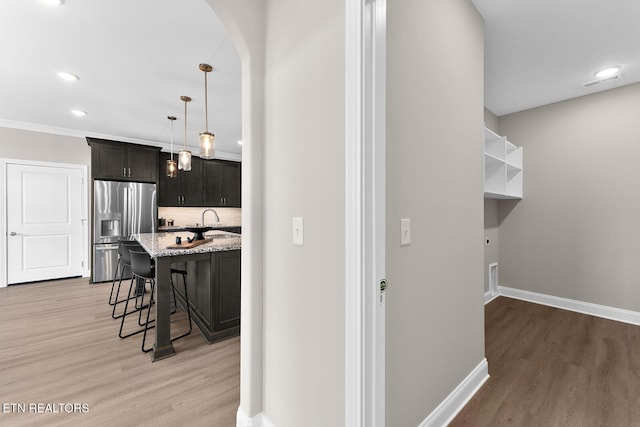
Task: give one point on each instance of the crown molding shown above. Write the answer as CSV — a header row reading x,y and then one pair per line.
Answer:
x,y
34,127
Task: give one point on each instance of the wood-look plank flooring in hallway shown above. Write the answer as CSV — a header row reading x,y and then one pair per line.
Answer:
x,y
58,344
552,367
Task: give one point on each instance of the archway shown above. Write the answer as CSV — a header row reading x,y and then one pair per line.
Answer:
x,y
244,22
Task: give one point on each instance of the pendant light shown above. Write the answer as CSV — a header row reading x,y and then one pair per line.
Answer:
x,y
207,139
172,166
184,156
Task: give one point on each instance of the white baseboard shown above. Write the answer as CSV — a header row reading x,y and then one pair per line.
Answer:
x,y
260,420
460,396
490,296
612,313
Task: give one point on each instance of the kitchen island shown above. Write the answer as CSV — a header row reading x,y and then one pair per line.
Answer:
x,y
213,284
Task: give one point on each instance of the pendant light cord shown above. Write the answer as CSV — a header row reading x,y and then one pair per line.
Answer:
x,y
206,104
171,139
185,125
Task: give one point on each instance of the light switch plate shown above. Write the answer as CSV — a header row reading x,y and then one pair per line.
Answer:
x,y
298,230
405,231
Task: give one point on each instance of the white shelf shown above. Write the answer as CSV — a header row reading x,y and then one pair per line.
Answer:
x,y
490,161
513,155
502,167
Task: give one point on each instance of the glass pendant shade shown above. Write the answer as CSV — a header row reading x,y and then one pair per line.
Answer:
x,y
172,169
207,139
207,145
184,156
172,166
184,160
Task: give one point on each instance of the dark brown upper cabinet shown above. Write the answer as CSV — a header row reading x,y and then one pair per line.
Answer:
x,y
223,183
184,190
209,183
121,161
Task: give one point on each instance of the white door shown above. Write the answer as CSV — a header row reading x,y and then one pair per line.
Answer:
x,y
44,211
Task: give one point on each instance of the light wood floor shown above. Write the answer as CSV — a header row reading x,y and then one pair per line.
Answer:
x,y
58,344
551,367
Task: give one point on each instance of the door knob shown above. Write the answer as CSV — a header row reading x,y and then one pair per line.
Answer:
x,y
13,233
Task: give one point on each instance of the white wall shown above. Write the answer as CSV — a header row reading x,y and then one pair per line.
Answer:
x,y
435,316
44,147
491,219
576,233
304,294
490,120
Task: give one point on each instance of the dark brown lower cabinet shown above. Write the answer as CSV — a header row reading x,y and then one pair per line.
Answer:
x,y
213,283
237,230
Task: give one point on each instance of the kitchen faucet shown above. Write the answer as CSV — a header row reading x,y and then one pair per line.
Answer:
x,y
210,210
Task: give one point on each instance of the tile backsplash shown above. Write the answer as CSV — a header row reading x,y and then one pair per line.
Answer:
x,y
229,217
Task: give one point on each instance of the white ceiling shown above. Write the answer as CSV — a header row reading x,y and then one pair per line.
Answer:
x,y
539,52
135,58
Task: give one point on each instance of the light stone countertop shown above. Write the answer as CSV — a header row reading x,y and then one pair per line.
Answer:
x,y
156,243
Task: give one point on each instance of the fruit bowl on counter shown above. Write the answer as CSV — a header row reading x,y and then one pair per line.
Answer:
x,y
198,231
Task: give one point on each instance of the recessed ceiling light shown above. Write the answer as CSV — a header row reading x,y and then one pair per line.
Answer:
x,y
608,72
68,76
239,142
78,113
53,2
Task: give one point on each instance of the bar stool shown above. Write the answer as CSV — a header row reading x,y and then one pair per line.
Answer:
x,y
119,269
144,269
124,248
124,261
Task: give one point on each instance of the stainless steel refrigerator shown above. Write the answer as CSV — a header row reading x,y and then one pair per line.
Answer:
x,y
120,209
